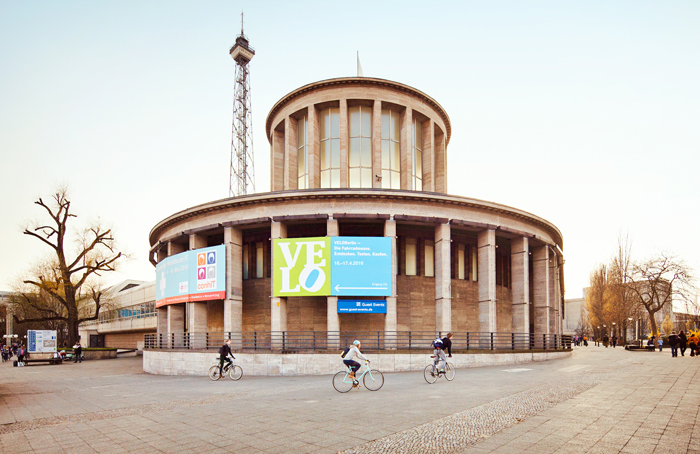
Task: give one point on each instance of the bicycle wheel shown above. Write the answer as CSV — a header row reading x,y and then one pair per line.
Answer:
x,y
214,373
450,372
340,384
235,372
428,374
373,380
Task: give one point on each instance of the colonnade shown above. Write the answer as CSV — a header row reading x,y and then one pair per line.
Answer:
x,y
544,296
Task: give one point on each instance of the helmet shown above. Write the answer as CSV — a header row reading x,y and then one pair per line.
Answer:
x,y
357,342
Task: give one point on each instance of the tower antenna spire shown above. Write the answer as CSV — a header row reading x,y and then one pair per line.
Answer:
x,y
242,172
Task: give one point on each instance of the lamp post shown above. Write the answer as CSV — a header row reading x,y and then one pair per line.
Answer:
x,y
635,329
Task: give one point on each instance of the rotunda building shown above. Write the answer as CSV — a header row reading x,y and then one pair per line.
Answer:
x,y
361,162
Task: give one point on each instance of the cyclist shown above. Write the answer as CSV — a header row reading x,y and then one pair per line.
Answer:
x,y
348,359
447,344
224,353
438,345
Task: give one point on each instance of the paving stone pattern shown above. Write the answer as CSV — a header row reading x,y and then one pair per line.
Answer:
x,y
599,400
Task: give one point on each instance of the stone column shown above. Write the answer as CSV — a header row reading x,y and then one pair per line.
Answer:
x,y
162,253
176,325
344,143
540,282
554,303
197,241
197,324
407,149
391,319
376,143
520,275
233,304
486,243
332,318
443,276
9,321
277,160
278,310
162,327
314,149
175,248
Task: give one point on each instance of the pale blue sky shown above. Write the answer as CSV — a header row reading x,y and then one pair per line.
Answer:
x,y
584,113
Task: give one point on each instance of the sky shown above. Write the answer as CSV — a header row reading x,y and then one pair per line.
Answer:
x,y
584,113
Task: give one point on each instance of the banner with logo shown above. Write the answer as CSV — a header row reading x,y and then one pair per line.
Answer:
x,y
332,266
195,275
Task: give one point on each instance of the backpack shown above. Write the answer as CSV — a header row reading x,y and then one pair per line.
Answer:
x,y
221,350
437,343
345,352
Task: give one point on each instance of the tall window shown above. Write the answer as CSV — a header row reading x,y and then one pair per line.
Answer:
x,y
246,261
303,153
460,262
360,147
330,148
259,260
417,155
411,257
391,144
429,257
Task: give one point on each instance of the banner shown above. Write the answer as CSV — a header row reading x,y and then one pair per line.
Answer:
x,y
362,306
195,275
41,341
332,266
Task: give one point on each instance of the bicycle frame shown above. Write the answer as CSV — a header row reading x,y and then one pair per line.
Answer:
x,y
349,369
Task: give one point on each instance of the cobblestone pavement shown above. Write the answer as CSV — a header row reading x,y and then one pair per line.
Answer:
x,y
599,400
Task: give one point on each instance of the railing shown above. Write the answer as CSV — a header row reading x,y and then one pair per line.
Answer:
x,y
119,319
371,340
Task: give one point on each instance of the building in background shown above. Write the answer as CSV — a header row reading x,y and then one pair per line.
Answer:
x,y
351,158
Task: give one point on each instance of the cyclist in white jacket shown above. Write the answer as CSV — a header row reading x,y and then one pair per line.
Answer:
x,y
348,360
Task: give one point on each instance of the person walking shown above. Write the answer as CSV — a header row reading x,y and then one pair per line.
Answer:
x,y
614,341
661,343
682,342
585,341
77,352
673,342
606,339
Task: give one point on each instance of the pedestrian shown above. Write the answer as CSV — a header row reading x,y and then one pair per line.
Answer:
x,y
614,341
682,342
673,342
77,352
585,341
606,339
693,344
661,343
20,356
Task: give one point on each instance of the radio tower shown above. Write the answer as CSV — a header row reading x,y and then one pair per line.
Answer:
x,y
242,177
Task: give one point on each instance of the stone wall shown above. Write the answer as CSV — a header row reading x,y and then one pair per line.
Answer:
x,y
465,306
125,340
504,309
415,305
262,364
306,313
256,304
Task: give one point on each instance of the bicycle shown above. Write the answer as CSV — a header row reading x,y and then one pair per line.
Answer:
x,y
431,375
372,379
234,372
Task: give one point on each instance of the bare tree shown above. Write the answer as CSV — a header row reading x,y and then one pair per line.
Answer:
x,y
656,282
622,302
66,287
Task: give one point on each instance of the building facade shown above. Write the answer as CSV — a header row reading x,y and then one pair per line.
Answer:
x,y
368,157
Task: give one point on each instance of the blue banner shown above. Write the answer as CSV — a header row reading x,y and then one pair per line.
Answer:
x,y
196,275
360,266
362,306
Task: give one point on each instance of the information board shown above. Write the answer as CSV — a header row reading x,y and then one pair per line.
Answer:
x,y
195,275
332,266
362,306
41,341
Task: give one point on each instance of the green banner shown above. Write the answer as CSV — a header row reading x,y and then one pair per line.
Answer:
x,y
302,266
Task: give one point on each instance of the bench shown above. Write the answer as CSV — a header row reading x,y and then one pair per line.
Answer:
x,y
634,348
50,361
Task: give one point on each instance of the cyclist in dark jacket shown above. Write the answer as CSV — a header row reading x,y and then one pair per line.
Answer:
x,y
224,353
447,344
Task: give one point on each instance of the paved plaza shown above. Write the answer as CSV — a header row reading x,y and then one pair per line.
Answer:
x,y
597,401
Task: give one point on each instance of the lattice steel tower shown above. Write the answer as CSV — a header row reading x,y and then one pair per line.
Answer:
x,y
242,177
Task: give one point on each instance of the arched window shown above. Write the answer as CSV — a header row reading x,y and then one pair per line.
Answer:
x,y
330,148
303,153
417,155
391,146
360,147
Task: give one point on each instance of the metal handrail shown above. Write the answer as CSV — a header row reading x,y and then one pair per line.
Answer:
x,y
371,340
